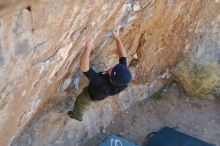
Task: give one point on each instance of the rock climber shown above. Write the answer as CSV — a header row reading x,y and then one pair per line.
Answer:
x,y
101,84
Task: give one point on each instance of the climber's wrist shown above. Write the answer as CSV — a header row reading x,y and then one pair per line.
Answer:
x,y
89,44
88,49
117,38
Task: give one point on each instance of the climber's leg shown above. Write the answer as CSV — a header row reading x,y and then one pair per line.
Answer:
x,y
82,102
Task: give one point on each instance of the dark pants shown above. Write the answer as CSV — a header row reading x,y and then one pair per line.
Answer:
x,y
81,104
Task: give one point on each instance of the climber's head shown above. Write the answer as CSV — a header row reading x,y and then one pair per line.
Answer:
x,y
119,75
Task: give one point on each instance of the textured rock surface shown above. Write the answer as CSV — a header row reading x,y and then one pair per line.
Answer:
x,y
40,46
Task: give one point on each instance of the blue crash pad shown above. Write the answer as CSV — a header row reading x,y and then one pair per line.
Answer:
x,y
117,141
170,137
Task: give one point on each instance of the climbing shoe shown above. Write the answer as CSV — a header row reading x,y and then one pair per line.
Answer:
x,y
72,116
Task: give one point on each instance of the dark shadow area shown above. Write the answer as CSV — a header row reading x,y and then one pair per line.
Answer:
x,y
28,8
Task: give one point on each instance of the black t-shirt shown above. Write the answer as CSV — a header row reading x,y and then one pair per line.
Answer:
x,y
100,86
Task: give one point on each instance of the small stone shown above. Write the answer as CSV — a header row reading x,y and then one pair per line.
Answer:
x,y
133,123
170,2
66,84
190,30
136,6
24,93
135,56
70,135
93,24
122,133
150,13
59,141
98,136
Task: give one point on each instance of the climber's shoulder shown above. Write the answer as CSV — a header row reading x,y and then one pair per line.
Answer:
x,y
123,61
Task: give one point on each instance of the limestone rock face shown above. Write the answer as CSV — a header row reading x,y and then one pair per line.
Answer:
x,y
41,42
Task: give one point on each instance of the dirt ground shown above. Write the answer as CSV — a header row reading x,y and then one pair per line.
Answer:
x,y
197,117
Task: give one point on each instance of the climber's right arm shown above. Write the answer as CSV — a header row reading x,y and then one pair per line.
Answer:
x,y
84,61
120,47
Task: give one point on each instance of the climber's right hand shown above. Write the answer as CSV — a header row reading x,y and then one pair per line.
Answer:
x,y
116,33
89,43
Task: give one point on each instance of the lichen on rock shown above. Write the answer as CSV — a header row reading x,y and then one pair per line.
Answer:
x,y
198,80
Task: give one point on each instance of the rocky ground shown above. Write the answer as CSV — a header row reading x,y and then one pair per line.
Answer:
x,y
197,117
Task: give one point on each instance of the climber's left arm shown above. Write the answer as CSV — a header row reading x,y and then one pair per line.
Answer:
x,y
84,61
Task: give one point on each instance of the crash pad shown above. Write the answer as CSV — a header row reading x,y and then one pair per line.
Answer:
x,y
117,141
170,137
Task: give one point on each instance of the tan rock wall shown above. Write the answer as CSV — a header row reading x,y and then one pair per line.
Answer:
x,y
41,43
